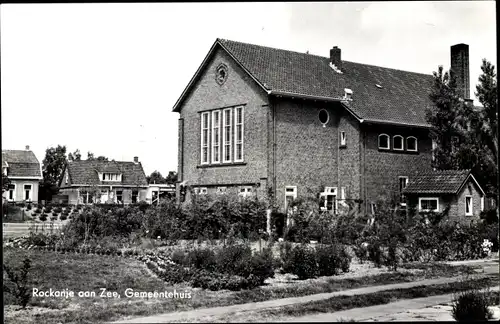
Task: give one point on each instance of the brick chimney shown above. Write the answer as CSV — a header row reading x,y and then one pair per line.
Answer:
x,y
460,68
335,57
136,159
27,147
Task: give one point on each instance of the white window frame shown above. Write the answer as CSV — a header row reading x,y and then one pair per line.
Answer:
x,y
388,142
216,143
416,144
241,141
204,115
471,211
330,191
111,177
343,138
221,190
482,203
401,189
428,198
203,191
290,191
13,190
226,144
5,171
402,143
245,191
30,191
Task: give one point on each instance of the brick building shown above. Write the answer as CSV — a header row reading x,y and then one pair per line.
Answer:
x,y
87,182
255,118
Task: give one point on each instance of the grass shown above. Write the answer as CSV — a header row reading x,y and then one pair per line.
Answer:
x,y
82,272
340,303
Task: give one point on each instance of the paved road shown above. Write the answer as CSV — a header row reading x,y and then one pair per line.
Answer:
x,y
489,268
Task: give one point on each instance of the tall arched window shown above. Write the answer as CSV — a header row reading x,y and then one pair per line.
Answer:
x,y
411,144
383,142
397,143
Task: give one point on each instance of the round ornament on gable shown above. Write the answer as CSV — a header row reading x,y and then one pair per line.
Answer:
x,y
221,73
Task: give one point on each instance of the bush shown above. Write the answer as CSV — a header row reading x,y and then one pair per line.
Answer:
x,y
43,217
53,218
301,261
63,217
471,306
201,258
260,267
21,291
232,259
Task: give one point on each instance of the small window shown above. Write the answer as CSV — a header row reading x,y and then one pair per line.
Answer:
x,y
245,191
343,139
324,117
482,203
135,194
428,204
204,137
383,142
290,196
468,206
119,196
397,142
328,200
403,182
411,144
12,190
27,192
221,190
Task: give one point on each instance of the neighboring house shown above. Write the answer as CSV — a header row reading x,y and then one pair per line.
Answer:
x,y
437,191
254,118
158,192
24,172
87,182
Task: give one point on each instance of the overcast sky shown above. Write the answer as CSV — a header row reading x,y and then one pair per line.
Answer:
x,y
104,77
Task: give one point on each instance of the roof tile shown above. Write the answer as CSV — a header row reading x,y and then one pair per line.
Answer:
x,y
86,172
439,181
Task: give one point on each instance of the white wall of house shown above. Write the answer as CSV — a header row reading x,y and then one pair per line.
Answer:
x,y
21,191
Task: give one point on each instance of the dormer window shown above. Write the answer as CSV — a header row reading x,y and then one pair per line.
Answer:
x,y
111,177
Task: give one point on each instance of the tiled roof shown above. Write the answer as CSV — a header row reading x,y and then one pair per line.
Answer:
x,y
439,181
86,172
21,163
401,98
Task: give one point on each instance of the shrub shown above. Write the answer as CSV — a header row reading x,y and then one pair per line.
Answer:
x,y
201,258
20,279
471,306
328,260
375,254
57,210
43,217
260,267
301,261
53,218
63,217
48,209
231,259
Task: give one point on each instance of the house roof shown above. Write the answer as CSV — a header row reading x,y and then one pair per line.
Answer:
x,y
21,163
86,173
439,182
379,94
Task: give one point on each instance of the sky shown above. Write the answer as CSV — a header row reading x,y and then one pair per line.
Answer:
x,y
104,77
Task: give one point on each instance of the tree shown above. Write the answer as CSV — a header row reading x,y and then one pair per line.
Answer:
x,y
466,136
486,130
53,164
5,183
90,157
171,177
52,168
443,116
156,178
75,156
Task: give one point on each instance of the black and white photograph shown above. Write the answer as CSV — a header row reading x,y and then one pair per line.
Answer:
x,y
191,162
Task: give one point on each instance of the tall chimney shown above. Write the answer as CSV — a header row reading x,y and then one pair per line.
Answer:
x,y
136,159
27,147
460,68
335,57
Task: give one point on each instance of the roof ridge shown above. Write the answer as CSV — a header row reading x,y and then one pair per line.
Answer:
x,y
320,56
